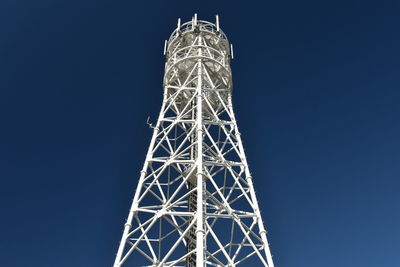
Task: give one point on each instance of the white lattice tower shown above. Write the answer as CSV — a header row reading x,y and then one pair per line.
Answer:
x,y
195,203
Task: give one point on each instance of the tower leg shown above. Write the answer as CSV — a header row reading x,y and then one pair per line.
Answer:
x,y
199,175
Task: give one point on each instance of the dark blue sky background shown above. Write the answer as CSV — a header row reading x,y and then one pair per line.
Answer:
x,y
316,92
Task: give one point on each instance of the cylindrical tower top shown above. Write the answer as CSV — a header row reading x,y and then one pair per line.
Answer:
x,y
197,26
193,41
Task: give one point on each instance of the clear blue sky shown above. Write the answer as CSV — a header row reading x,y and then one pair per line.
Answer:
x,y
316,92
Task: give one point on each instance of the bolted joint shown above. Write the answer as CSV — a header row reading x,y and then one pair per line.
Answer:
x,y
160,213
200,231
134,207
230,211
263,232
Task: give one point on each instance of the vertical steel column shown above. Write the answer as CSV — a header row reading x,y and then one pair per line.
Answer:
x,y
199,164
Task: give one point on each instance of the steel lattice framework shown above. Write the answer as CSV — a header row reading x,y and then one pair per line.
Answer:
x,y
195,203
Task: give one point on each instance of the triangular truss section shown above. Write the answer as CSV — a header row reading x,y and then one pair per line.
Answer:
x,y
195,203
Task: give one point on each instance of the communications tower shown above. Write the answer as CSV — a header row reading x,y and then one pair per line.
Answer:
x,y
195,203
